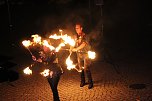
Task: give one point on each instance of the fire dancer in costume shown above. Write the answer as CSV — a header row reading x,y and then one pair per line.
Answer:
x,y
84,63
50,61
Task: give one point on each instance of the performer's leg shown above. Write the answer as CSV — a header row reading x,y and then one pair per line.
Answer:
x,y
82,78
53,84
82,74
88,72
87,66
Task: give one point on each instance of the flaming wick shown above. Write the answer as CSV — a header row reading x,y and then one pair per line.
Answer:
x,y
70,64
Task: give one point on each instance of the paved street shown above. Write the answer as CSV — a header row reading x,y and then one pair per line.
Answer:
x,y
110,83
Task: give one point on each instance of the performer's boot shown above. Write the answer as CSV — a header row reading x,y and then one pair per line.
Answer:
x,y
89,79
82,79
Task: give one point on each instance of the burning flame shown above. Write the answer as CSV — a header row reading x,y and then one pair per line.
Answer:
x,y
69,63
27,71
36,38
55,36
45,43
91,55
65,40
26,43
68,40
45,73
59,47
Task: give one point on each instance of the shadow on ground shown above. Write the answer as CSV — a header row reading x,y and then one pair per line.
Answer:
x,y
6,74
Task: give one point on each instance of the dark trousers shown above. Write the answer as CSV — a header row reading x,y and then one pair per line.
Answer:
x,y
53,82
86,63
88,74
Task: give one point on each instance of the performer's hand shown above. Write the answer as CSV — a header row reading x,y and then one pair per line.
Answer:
x,y
34,58
51,74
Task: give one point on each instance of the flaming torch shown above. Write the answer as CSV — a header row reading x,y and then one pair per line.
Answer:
x,y
55,36
65,40
91,55
27,71
36,39
45,72
70,64
59,47
45,43
68,40
27,43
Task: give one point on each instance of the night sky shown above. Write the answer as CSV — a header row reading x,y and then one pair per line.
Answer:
x,y
126,24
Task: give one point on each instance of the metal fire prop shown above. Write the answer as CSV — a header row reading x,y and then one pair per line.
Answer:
x,y
65,40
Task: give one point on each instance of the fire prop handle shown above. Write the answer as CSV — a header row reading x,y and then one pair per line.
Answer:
x,y
29,51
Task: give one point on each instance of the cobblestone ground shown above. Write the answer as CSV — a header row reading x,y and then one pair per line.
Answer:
x,y
110,84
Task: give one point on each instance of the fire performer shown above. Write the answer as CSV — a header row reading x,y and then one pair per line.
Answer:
x,y
82,47
50,61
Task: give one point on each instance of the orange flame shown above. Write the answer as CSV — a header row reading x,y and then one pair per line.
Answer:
x,y
27,71
91,55
69,63
55,36
26,43
68,40
45,73
36,38
45,43
59,47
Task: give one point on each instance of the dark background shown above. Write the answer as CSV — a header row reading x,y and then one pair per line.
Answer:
x,y
126,24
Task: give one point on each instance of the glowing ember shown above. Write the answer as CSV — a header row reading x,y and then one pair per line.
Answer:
x,y
91,55
26,43
45,73
27,71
